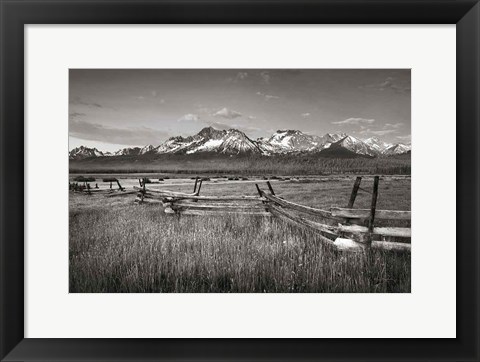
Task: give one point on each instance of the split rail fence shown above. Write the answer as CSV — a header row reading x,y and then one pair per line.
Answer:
x,y
345,228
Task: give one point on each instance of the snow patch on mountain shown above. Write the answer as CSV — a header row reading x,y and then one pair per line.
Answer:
x,y
377,145
235,142
82,152
355,145
397,149
135,151
146,149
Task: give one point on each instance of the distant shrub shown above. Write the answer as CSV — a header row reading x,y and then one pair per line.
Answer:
x,y
109,179
84,179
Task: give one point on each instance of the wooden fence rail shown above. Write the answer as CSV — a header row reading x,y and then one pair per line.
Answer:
x,y
345,228
359,236
365,214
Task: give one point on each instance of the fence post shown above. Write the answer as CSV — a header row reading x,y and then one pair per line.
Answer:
x,y
270,188
119,186
199,187
353,196
369,235
260,194
195,186
374,204
258,189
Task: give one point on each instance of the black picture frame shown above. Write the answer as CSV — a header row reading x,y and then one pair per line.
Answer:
x,y
16,14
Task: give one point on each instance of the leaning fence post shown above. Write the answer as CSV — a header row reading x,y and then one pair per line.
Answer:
x,y
260,194
258,189
353,196
199,187
270,188
119,186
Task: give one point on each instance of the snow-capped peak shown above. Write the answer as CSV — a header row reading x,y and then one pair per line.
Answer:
x,y
376,144
82,152
133,151
397,149
146,149
233,141
355,145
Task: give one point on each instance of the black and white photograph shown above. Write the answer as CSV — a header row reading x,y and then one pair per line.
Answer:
x,y
239,180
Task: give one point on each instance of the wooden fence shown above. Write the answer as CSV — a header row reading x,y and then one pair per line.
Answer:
x,y
345,228
194,204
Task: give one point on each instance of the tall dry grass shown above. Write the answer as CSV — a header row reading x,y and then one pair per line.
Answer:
x,y
244,165
138,249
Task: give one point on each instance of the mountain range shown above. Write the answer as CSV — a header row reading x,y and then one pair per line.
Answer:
x,y
235,142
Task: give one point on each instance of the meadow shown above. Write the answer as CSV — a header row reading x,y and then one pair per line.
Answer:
x,y
118,246
306,164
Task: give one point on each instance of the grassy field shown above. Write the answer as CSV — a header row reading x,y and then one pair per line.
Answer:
x,y
117,246
252,165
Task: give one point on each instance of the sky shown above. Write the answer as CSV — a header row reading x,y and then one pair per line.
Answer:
x,y
115,108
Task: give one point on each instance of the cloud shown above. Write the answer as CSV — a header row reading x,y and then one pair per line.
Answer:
x,y
394,125
126,136
153,94
305,115
266,96
355,121
406,139
227,113
238,77
189,117
392,84
378,133
79,101
265,77
75,115
245,129
251,118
